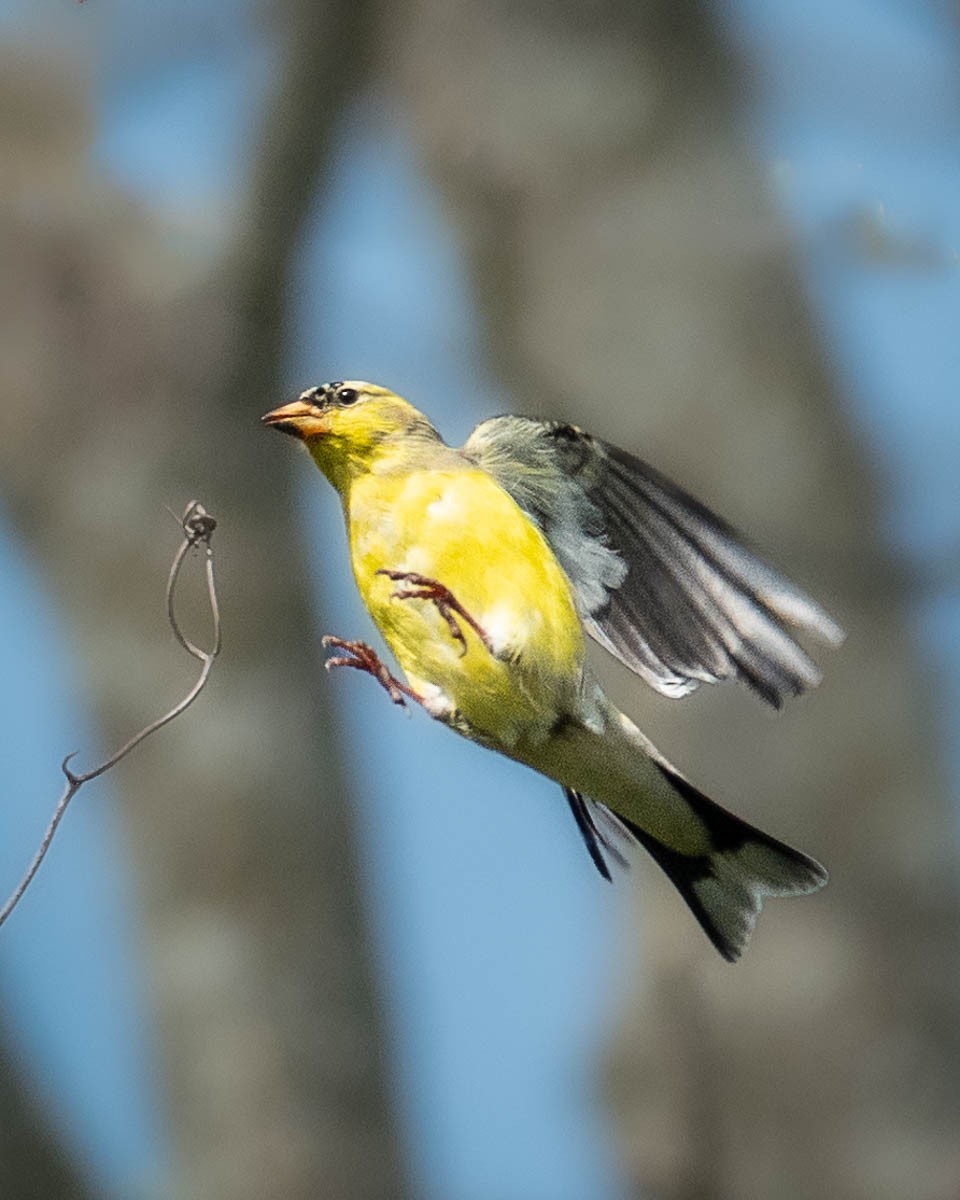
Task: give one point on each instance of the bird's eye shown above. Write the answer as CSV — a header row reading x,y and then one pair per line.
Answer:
x,y
347,395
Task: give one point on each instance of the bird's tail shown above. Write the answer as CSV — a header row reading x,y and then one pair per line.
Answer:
x,y
722,866
724,884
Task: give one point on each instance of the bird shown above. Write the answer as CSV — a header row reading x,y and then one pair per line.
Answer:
x,y
486,568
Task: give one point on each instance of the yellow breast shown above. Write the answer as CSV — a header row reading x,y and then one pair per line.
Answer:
x,y
461,529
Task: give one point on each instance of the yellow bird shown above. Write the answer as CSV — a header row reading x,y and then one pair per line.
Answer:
x,y
485,567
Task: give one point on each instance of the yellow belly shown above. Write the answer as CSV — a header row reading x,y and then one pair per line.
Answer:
x,y
461,529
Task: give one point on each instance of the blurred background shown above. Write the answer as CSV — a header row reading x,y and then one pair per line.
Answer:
x,y
302,944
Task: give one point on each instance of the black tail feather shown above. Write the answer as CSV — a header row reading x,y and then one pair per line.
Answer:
x,y
724,887
594,838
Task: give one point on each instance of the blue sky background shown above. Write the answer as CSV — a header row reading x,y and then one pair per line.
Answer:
x,y
856,118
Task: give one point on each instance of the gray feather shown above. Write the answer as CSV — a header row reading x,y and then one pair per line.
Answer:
x,y
661,581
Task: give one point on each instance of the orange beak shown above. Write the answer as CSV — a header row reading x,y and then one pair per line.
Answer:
x,y
300,419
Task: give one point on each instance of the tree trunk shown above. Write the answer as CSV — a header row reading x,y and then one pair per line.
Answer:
x,y
633,277
130,379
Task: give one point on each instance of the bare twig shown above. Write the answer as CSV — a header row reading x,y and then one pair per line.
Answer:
x,y
197,526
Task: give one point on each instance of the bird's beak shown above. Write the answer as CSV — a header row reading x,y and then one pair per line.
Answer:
x,y
300,419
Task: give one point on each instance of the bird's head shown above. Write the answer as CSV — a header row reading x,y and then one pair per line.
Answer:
x,y
348,425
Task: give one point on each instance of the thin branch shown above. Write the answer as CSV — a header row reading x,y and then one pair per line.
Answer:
x,y
198,527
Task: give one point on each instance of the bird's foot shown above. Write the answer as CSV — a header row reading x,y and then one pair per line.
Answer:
x,y
449,607
364,658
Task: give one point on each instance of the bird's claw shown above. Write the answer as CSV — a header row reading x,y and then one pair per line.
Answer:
x,y
362,657
448,606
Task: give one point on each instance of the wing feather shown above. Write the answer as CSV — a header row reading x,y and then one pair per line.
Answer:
x,y
661,581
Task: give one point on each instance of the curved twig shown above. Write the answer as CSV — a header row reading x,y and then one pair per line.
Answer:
x,y
198,527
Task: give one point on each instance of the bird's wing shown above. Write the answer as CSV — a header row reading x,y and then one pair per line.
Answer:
x,y
660,580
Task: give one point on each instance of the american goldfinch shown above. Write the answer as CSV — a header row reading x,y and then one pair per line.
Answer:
x,y
485,567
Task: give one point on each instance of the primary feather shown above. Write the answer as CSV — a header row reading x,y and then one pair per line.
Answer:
x,y
661,581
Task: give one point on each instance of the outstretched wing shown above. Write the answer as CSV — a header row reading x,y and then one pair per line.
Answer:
x,y
660,580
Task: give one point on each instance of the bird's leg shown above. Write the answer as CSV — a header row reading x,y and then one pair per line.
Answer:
x,y
365,658
448,606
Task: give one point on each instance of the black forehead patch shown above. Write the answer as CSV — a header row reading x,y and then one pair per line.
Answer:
x,y
322,393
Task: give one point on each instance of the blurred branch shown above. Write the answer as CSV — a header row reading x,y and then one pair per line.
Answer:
x,y
325,61
198,527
